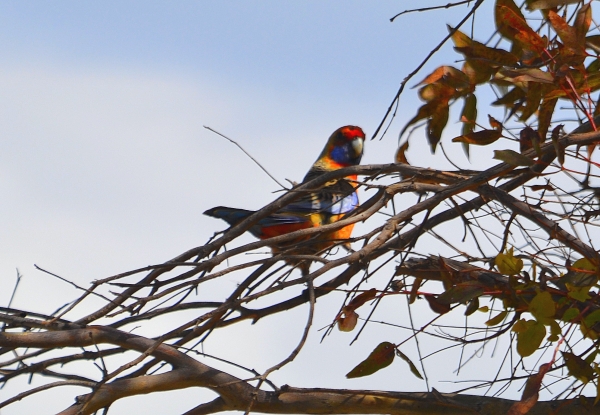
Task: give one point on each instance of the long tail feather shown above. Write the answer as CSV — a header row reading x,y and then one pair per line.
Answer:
x,y
229,215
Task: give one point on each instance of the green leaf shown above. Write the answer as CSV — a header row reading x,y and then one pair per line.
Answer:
x,y
542,305
581,274
413,368
581,294
382,356
494,321
591,357
472,307
592,318
508,264
555,330
520,326
461,293
529,340
570,314
578,367
513,158
588,323
436,124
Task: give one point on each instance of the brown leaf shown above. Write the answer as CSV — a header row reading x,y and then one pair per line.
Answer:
x,y
382,356
401,153
362,298
475,50
566,33
460,39
469,114
582,22
415,290
538,187
589,83
397,285
514,26
491,56
436,110
436,124
528,139
437,306
525,75
449,76
532,103
549,4
502,25
530,393
436,92
469,118
593,42
477,70
480,138
494,123
558,148
512,96
348,321
545,115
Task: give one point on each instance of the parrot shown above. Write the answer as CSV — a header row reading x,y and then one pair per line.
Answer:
x,y
332,202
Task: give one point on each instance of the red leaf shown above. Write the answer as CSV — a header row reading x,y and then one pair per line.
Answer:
x,y
361,299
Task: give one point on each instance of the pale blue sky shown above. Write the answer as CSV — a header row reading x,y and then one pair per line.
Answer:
x,y
105,165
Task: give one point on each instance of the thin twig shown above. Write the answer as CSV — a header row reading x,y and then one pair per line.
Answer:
x,y
419,67
424,9
246,153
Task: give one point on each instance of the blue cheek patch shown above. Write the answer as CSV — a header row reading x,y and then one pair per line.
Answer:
x,y
341,154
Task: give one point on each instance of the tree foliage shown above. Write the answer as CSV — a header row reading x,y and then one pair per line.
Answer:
x,y
508,251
